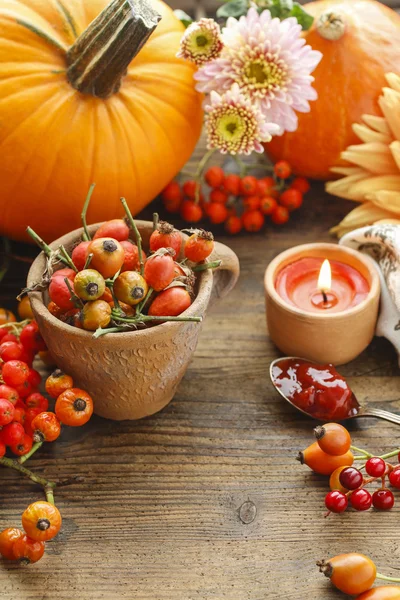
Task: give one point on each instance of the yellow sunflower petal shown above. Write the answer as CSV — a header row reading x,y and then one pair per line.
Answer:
x,y
347,170
366,134
393,80
344,187
389,104
375,157
387,222
377,123
387,200
365,214
395,150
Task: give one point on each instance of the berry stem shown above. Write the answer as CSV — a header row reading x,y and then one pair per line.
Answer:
x,y
45,248
199,172
136,232
68,259
86,235
242,166
209,265
361,451
16,327
32,451
12,464
100,331
48,490
390,454
385,578
140,306
88,261
156,219
77,301
143,318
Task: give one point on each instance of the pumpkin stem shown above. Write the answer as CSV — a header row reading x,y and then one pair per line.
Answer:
x,y
99,58
331,26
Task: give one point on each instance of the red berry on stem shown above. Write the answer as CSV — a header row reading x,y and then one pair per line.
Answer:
x,y
34,378
199,246
336,501
280,215
218,196
172,191
232,184
7,411
159,271
351,478
31,338
251,202
394,478
300,183
165,236
292,199
12,433
268,205
20,414
189,188
383,499
9,393
248,185
215,177
253,220
23,446
190,211
282,169
15,372
10,351
361,499
233,225
36,400
116,229
9,337
217,213
269,187
79,255
375,466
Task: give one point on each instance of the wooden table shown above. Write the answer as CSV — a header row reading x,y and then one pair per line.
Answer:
x,y
206,500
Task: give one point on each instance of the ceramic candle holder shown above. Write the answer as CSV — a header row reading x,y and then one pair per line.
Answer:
x,y
322,337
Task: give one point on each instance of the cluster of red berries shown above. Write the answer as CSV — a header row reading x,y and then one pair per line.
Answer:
x,y
239,202
331,455
111,282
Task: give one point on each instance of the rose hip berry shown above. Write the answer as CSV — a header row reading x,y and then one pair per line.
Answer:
x,y
375,466
282,169
248,185
383,499
361,500
351,478
336,501
12,434
214,176
15,372
232,184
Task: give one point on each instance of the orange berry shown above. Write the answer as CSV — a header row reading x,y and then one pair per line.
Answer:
x,y
280,215
351,573
282,169
218,196
269,187
190,211
333,438
233,225
253,220
232,184
41,521
27,551
214,176
382,592
334,481
300,183
321,462
7,539
217,213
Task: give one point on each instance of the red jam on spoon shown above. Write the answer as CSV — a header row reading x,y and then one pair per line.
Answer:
x,y
318,390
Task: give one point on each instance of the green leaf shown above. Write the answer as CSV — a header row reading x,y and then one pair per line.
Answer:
x,y
183,17
303,17
233,8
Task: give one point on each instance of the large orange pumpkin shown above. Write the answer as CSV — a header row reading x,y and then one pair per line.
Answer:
x,y
348,80
76,109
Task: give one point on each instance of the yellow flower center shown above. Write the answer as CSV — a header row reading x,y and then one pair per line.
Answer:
x,y
201,41
231,127
262,74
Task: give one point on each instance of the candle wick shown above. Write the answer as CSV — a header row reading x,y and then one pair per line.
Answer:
x,y
324,296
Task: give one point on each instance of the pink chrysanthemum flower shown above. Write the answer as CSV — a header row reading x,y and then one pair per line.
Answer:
x,y
234,125
201,42
269,61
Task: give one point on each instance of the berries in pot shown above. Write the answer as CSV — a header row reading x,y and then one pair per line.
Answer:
x,y
199,246
108,256
165,236
130,287
170,303
89,285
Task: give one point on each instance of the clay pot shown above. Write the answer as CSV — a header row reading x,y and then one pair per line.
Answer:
x,y
326,337
135,374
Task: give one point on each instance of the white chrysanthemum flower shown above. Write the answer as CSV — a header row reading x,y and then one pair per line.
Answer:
x,y
201,42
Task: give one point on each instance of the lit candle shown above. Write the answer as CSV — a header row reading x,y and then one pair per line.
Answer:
x,y
322,302
314,284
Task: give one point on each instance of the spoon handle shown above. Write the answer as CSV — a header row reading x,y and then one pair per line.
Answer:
x,y
380,414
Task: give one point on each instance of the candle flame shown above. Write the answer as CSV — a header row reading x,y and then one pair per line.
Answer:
x,y
325,277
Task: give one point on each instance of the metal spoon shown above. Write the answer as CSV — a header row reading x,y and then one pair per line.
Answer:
x,y
361,411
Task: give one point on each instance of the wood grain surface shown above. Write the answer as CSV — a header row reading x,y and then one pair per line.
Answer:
x,y
205,500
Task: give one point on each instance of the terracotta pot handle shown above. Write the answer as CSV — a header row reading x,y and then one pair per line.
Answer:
x,y
225,276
